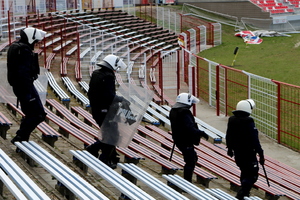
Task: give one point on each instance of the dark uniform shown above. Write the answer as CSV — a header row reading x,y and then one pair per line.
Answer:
x,y
242,142
22,70
185,134
102,93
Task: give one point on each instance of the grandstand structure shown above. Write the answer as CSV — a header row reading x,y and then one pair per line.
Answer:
x,y
55,158
271,15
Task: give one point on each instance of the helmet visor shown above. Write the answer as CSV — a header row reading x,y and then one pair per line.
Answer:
x,y
195,100
120,64
39,35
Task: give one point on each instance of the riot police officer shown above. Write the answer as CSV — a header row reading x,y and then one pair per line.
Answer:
x,y
22,70
102,93
185,132
243,143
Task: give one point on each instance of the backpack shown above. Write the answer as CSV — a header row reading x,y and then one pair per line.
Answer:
x,y
14,59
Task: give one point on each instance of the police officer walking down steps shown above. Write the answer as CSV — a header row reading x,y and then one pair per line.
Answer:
x,y
22,70
185,132
102,92
243,143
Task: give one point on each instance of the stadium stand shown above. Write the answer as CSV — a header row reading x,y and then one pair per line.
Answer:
x,y
49,60
128,189
203,176
163,120
5,125
156,99
84,85
77,94
210,131
218,193
275,7
72,50
17,181
61,46
76,125
186,186
39,87
158,110
84,52
158,186
65,113
77,110
147,117
51,42
49,135
167,99
215,134
10,185
78,74
3,46
62,95
67,129
95,57
63,66
228,172
288,189
66,177
166,166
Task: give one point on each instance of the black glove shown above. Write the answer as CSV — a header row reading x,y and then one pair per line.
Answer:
x,y
35,77
125,103
204,135
261,159
230,153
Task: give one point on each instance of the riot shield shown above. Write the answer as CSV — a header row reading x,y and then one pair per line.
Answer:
x,y
6,93
41,85
124,116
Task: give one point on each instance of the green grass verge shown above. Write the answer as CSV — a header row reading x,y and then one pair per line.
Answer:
x,y
275,58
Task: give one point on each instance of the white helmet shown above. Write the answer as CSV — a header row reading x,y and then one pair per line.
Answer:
x,y
246,105
113,62
34,34
187,99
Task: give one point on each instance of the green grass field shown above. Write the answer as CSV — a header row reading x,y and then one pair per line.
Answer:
x,y
276,58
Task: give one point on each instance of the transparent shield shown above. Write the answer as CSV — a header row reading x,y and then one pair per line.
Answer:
x,y
41,85
123,118
6,92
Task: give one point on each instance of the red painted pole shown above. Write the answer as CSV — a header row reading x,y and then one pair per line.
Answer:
x,y
160,77
226,92
278,112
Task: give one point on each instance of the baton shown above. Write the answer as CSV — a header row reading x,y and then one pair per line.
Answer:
x,y
266,175
18,101
172,151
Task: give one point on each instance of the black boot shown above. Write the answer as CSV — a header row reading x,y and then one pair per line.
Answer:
x,y
93,149
17,138
241,194
114,162
109,161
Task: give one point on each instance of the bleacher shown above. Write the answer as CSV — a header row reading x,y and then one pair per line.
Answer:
x,y
151,145
75,92
274,7
16,180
